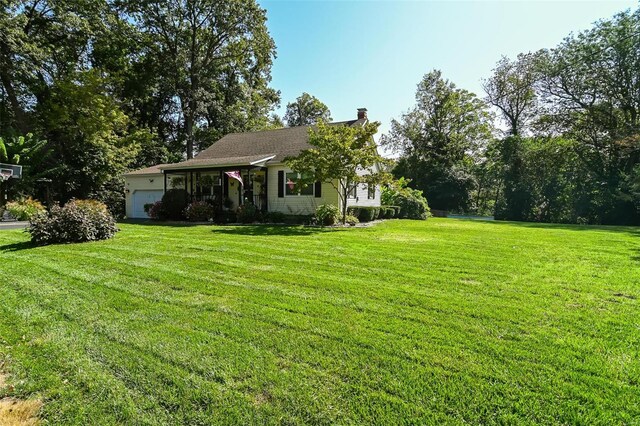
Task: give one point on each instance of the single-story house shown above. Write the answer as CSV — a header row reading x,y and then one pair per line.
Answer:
x,y
245,168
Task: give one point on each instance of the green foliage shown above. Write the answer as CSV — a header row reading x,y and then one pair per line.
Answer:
x,y
544,181
407,203
439,140
95,146
387,212
174,202
78,221
327,214
247,213
338,155
351,220
364,214
511,89
24,209
199,211
306,110
156,211
214,58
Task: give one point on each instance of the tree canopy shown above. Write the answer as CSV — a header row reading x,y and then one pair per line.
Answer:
x,y
306,110
439,140
344,156
113,85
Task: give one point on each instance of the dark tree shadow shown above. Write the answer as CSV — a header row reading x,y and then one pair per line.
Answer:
x,y
24,245
173,224
266,230
632,230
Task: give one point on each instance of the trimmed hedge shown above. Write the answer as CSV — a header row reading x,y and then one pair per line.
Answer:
x,y
387,212
327,214
365,214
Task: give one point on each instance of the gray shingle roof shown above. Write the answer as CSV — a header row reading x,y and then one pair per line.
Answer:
x,y
240,149
147,170
282,143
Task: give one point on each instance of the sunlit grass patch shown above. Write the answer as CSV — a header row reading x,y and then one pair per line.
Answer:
x,y
443,321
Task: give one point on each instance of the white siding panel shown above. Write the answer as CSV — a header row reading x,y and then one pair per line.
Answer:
x,y
296,205
133,184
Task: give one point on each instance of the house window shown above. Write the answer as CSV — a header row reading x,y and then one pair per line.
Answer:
x,y
371,194
289,185
352,192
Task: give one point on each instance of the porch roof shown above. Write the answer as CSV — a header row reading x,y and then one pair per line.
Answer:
x,y
203,163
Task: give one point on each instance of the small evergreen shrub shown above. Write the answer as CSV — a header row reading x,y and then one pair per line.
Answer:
x,y
327,214
386,212
247,213
199,211
25,209
413,208
353,211
351,220
411,203
367,214
78,221
174,202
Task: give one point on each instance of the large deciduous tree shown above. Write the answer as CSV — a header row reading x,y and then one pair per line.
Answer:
x,y
591,88
306,110
439,140
216,59
511,90
344,156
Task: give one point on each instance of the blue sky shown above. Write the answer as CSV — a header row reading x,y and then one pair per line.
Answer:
x,y
372,54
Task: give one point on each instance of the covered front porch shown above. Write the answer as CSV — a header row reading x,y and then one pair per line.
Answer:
x,y
225,187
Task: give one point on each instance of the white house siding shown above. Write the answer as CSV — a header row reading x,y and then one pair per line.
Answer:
x,y
135,183
362,200
362,194
299,204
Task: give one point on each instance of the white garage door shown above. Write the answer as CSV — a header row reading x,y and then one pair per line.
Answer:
x,y
140,198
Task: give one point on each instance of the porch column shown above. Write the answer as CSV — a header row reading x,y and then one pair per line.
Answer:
x,y
164,175
266,189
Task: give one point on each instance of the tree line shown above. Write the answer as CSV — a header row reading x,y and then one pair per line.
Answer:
x,y
567,147
113,85
92,88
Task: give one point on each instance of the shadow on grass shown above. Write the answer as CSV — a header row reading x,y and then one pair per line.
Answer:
x,y
267,230
173,224
632,230
24,245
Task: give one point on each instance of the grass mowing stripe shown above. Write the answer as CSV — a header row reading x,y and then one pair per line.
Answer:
x,y
444,321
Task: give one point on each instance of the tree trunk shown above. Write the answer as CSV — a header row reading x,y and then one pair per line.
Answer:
x,y
188,127
18,113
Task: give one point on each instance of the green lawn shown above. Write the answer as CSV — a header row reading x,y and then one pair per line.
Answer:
x,y
444,321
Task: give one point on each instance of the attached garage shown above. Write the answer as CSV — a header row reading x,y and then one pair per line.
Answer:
x,y
144,186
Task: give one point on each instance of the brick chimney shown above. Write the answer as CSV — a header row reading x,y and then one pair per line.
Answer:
x,y
362,113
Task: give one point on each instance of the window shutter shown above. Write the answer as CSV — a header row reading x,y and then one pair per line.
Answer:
x,y
280,183
318,190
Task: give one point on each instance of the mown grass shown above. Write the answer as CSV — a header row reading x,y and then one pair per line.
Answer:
x,y
444,321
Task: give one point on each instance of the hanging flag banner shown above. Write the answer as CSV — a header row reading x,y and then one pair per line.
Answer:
x,y
291,184
235,175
